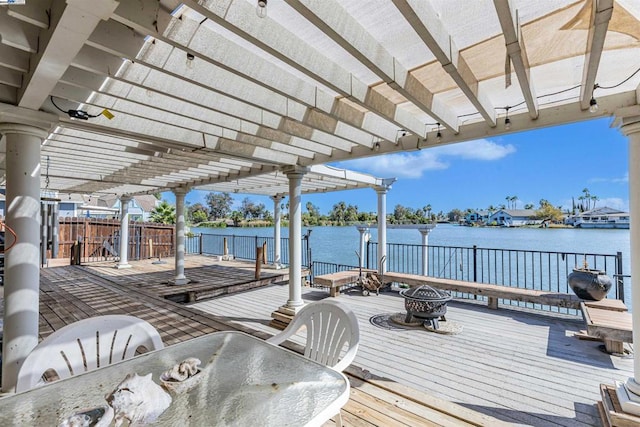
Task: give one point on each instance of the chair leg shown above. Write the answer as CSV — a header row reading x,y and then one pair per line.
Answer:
x,y
338,419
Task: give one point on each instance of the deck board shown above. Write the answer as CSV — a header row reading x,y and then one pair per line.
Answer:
x,y
520,367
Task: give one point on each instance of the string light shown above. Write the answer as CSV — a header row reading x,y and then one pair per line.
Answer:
x,y
507,120
261,9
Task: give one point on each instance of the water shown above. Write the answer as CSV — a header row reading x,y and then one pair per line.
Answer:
x,y
339,244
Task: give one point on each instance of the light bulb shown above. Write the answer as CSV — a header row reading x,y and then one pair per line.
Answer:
x,y
507,123
439,136
593,105
190,58
261,9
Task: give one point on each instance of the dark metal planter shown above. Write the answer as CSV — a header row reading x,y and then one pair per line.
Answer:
x,y
588,284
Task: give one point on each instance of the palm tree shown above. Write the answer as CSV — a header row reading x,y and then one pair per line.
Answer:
x,y
164,213
587,197
514,199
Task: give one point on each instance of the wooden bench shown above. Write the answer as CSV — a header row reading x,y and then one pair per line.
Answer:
x,y
334,281
613,326
492,292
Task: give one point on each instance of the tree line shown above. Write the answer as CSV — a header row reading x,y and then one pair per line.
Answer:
x,y
218,210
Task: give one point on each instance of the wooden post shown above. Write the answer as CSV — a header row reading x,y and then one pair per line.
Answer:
x,y
264,253
259,255
226,248
150,248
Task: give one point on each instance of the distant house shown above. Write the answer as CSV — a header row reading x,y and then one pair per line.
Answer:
x,y
477,217
107,207
513,217
604,217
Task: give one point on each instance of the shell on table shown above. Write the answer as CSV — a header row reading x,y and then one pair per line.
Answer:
x,y
100,416
183,370
182,376
138,400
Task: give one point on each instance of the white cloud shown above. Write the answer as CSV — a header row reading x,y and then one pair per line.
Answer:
x,y
413,165
480,149
613,202
401,165
621,180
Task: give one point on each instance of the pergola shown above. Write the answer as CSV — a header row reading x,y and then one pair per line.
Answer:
x,y
130,97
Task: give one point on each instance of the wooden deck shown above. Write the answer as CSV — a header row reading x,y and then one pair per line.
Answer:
x,y
519,367
71,293
523,368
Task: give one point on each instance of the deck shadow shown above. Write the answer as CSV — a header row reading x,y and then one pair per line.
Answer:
x,y
585,414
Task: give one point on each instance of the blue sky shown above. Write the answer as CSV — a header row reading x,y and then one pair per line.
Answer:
x,y
553,163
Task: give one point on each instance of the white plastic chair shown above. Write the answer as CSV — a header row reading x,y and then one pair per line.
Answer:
x,y
330,327
86,345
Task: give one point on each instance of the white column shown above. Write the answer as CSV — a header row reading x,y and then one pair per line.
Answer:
x,y
295,237
631,128
124,233
180,279
382,226
364,234
425,248
22,269
277,221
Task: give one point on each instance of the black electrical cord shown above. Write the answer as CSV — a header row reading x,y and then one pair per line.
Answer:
x,y
76,114
616,85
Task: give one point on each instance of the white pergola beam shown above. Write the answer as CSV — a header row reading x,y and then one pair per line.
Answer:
x,y
13,58
16,34
282,44
517,53
424,20
92,83
330,17
72,22
261,73
600,17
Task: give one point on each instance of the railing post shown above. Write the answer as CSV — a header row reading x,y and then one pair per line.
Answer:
x,y
200,240
367,254
619,278
475,263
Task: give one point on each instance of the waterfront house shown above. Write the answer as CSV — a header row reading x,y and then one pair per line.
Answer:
x,y
477,217
105,207
513,217
604,217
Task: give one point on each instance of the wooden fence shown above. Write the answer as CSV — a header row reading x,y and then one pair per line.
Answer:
x,y
99,239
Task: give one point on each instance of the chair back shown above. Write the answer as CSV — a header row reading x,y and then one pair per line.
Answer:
x,y
330,327
86,345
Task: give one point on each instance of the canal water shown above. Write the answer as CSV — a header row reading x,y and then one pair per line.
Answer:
x,y
339,244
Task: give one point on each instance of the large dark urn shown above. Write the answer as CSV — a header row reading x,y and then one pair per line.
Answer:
x,y
588,284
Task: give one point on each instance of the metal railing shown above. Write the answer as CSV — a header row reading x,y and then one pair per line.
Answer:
x,y
244,247
540,270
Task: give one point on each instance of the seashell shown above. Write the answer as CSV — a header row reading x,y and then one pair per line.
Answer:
x,y
94,417
183,376
138,400
182,370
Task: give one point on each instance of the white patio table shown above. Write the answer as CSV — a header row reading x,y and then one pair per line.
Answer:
x,y
248,383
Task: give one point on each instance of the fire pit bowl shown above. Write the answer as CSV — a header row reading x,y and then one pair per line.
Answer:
x,y
426,303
